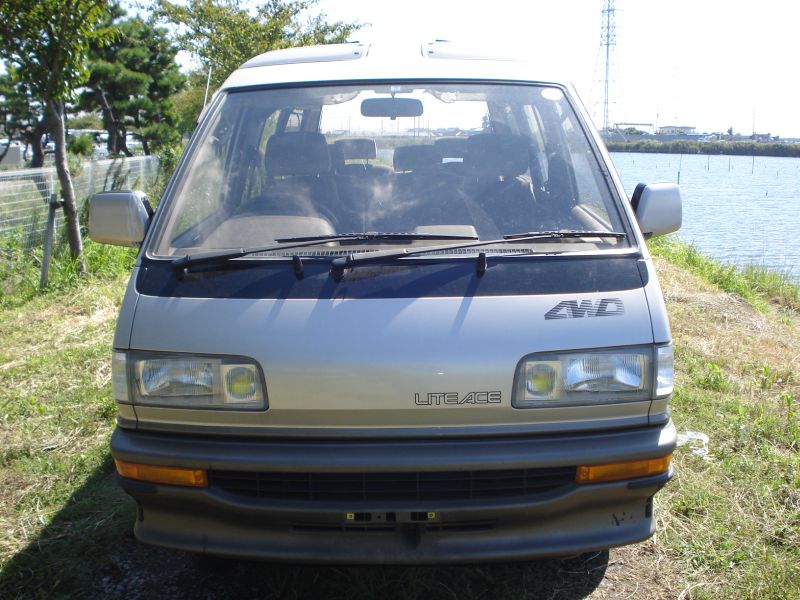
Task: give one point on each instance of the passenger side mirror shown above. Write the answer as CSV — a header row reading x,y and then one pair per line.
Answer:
x,y
119,217
658,208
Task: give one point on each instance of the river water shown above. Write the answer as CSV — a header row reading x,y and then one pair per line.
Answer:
x,y
739,209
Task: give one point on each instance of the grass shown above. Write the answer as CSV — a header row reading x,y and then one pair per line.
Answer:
x,y
731,520
56,414
20,269
729,524
756,284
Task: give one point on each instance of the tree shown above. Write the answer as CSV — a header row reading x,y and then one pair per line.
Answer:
x,y
85,120
80,145
222,35
47,42
189,102
111,83
131,81
154,114
22,116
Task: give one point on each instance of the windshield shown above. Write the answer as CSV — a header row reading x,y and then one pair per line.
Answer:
x,y
471,160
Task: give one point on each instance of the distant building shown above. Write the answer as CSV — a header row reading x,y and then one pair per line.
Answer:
x,y
762,137
634,128
676,130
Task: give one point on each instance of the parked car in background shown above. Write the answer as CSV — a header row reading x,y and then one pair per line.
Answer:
x,y
12,153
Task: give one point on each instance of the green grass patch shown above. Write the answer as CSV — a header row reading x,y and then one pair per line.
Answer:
x,y
92,516
732,518
60,510
757,284
20,269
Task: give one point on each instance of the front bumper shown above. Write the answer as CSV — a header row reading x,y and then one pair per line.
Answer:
x,y
568,520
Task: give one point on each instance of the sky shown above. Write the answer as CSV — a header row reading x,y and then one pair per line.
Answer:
x,y
710,64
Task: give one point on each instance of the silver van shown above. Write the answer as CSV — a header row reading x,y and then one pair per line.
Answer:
x,y
393,307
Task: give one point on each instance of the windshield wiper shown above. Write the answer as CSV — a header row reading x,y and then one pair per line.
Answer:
x,y
565,234
341,264
220,256
179,265
378,236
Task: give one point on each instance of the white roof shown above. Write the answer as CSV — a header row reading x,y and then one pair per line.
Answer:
x,y
355,61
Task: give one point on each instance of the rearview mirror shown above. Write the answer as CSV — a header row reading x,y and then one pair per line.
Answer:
x,y
391,107
658,208
120,217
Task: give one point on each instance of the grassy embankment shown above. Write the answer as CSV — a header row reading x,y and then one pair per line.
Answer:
x,y
729,524
731,148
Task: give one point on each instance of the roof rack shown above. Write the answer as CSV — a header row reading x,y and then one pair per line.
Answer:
x,y
455,50
309,54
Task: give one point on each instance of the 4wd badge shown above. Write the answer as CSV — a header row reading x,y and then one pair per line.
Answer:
x,y
574,309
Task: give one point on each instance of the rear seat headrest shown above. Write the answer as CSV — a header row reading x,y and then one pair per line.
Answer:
x,y
297,153
417,158
452,147
496,154
337,157
357,148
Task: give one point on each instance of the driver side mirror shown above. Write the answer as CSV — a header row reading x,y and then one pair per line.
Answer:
x,y
120,217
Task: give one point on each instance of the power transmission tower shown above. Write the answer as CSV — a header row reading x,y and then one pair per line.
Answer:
x,y
608,39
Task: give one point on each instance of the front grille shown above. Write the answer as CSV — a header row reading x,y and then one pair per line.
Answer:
x,y
334,528
452,527
450,485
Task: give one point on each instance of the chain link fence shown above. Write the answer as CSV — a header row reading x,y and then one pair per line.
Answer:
x,y
25,194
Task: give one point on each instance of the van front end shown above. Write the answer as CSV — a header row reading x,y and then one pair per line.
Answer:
x,y
392,310
420,500
398,430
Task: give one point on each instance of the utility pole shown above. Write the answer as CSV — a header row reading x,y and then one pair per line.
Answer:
x,y
608,39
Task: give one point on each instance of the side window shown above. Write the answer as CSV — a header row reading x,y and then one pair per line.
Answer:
x,y
295,120
587,176
208,177
587,185
270,127
535,132
499,118
534,126
256,175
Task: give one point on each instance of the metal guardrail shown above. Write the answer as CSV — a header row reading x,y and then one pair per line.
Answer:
x,y
25,194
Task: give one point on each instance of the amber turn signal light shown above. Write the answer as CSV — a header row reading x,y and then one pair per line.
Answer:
x,y
158,474
622,470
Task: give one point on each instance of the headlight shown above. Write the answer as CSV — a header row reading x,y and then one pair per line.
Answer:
x,y
605,376
192,381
